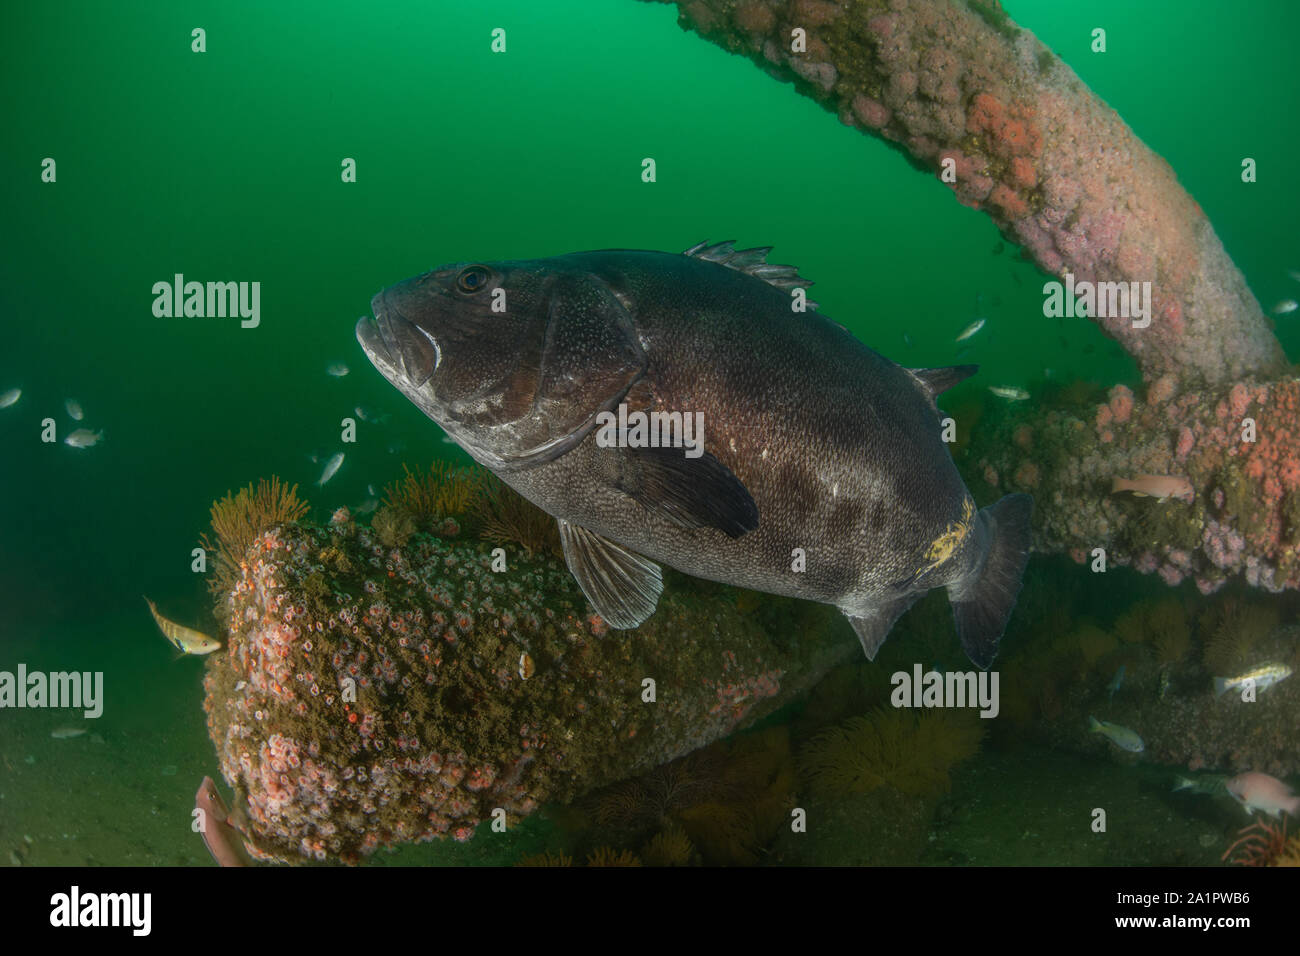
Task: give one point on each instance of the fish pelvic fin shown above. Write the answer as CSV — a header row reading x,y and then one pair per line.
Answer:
x,y
983,600
873,626
622,586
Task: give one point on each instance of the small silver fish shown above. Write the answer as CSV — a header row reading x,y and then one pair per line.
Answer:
x,y
1121,737
1285,306
369,506
331,467
970,330
84,438
74,409
1264,676
336,369
1010,392
1294,274
367,415
1116,683
1205,783
10,397
67,733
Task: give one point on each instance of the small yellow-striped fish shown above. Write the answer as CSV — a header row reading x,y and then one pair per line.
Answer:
x,y
1264,677
185,639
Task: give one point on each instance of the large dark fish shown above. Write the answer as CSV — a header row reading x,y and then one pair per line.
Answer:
x,y
823,474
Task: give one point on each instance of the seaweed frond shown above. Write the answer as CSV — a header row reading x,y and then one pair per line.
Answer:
x,y
446,489
891,747
608,856
240,518
507,517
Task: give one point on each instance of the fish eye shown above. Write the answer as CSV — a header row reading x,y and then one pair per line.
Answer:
x,y
472,279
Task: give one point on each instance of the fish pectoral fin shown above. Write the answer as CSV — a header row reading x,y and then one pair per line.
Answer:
x,y
690,492
623,587
874,625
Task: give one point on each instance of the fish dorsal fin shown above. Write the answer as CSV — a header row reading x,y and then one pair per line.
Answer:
x,y
939,380
752,262
622,586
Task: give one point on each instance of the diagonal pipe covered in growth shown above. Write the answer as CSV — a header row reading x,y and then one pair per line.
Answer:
x,y
958,85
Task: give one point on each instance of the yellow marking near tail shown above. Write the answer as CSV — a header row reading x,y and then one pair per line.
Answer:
x,y
945,546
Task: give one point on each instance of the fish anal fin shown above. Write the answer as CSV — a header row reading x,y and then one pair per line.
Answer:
x,y
622,586
874,624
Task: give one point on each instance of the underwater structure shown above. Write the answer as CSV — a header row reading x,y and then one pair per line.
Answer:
x,y
998,118
373,694
383,686
1238,449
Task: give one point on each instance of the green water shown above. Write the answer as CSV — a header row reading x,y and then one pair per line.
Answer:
x,y
225,165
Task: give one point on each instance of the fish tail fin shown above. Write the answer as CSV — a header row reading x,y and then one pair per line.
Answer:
x,y
1117,485
1182,783
1220,686
983,600
1094,725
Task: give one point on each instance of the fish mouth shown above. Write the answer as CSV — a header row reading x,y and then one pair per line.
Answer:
x,y
402,351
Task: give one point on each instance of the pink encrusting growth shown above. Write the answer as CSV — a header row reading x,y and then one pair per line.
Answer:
x,y
1221,475
960,87
373,695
